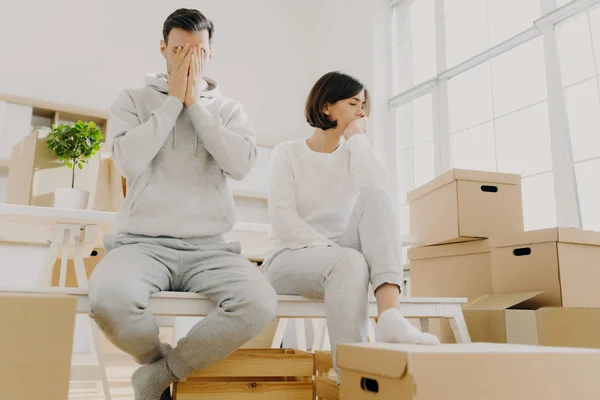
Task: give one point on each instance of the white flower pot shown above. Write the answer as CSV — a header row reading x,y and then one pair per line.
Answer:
x,y
76,199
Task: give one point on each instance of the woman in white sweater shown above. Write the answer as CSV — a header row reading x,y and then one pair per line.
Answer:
x,y
333,222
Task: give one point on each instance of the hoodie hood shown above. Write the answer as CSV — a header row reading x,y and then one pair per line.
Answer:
x,y
158,81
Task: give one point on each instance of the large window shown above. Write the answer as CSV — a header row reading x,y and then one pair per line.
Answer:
x,y
479,97
579,49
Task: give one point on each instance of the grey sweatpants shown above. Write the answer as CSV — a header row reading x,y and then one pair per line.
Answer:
x,y
369,252
136,267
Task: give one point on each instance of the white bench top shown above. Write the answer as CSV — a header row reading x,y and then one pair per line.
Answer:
x,y
193,304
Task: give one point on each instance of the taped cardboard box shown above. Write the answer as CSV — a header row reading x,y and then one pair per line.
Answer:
x,y
563,263
475,371
463,205
504,318
37,336
451,270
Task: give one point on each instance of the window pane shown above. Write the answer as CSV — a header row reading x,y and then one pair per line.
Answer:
x,y
519,77
404,127
523,141
423,119
595,23
405,174
575,44
508,18
451,6
400,24
424,58
402,66
422,15
404,220
583,108
474,148
466,32
539,206
424,167
470,98
589,193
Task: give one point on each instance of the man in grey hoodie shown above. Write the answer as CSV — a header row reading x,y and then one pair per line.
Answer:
x,y
175,141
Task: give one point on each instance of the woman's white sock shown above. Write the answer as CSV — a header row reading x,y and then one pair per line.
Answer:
x,y
392,327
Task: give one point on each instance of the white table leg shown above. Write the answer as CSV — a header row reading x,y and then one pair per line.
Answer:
x,y
45,277
65,258
99,357
78,262
326,342
320,329
300,334
459,327
279,333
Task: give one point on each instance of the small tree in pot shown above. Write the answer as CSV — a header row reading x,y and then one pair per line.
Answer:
x,y
74,146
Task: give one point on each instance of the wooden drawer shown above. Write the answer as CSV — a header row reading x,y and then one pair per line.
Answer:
x,y
253,374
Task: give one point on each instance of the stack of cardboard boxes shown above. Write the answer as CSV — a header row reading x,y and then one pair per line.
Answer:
x,y
536,287
524,288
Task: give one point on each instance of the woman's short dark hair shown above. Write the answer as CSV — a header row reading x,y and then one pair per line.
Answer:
x,y
331,88
190,20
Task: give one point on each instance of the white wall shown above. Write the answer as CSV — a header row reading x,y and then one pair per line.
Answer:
x,y
84,52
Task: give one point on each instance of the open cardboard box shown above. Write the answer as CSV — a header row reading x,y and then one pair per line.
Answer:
x,y
506,318
477,371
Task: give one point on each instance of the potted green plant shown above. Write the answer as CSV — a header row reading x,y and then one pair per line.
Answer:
x,y
74,146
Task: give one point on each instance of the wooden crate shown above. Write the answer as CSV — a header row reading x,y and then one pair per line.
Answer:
x,y
325,388
253,374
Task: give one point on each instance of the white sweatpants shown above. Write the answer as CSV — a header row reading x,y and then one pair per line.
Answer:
x,y
369,252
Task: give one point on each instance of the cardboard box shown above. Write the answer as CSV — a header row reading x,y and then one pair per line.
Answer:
x,y
37,342
504,318
562,263
463,205
478,371
253,374
451,270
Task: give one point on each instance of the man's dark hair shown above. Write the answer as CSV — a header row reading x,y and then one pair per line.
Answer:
x,y
189,20
331,88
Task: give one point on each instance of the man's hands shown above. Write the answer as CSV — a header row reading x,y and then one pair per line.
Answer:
x,y
195,74
186,73
178,76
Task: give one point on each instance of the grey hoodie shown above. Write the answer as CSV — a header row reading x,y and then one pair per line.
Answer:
x,y
176,160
